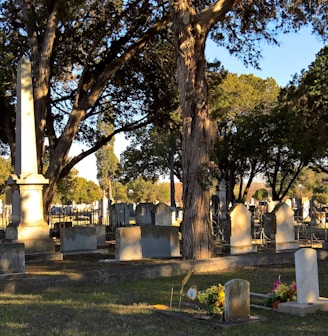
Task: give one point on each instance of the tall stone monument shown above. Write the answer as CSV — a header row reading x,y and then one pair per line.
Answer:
x,y
27,223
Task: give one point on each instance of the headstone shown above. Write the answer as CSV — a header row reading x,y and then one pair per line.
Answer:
x,y
237,300
306,268
144,213
306,209
222,193
162,215
240,230
119,215
285,235
78,239
12,258
147,241
307,281
27,225
104,211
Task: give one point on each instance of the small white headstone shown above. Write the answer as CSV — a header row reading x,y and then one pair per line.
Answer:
x,y
306,268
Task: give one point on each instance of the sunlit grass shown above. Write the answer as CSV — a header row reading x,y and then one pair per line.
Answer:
x,y
125,308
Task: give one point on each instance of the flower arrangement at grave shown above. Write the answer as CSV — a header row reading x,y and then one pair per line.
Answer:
x,y
281,292
208,175
213,298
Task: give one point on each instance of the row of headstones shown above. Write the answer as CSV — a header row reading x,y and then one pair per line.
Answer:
x,y
145,214
240,229
237,291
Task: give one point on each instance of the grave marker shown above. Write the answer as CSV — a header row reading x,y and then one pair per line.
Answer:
x,y
241,235
237,300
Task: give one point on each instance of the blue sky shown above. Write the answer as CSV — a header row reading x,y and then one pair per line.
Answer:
x,y
295,53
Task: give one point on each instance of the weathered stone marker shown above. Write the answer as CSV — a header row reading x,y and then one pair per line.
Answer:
x,y
27,225
237,300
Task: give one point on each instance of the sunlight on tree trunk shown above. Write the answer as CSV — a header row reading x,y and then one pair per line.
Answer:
x,y
198,131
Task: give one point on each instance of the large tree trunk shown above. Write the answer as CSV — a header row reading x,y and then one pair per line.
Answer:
x,y
197,132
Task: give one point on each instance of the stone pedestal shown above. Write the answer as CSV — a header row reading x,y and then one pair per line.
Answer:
x,y
27,223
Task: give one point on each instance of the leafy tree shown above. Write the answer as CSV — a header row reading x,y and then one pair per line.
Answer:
x,y
5,170
83,53
66,188
107,162
141,191
154,152
300,119
240,26
241,111
86,191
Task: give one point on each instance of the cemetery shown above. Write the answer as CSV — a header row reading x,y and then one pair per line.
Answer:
x,y
219,260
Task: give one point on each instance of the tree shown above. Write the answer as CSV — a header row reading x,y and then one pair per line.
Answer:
x,y
239,25
301,121
107,162
83,53
154,152
240,109
5,169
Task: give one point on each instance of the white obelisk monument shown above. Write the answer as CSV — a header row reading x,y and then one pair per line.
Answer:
x,y
27,225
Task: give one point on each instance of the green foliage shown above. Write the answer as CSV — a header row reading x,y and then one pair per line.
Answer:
x,y
5,171
261,194
141,191
241,112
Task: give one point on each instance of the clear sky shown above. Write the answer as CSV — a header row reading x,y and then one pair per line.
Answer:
x,y
295,53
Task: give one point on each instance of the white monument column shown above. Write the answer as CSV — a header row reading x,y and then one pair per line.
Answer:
x,y
27,225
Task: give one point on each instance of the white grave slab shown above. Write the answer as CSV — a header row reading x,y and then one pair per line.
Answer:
x,y
307,281
306,268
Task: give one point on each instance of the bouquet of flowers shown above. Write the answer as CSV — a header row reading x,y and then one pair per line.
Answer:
x,y
281,292
213,298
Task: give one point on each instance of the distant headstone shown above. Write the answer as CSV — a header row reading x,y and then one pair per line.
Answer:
x,y
285,235
144,213
240,230
306,268
163,215
237,300
78,239
119,215
147,241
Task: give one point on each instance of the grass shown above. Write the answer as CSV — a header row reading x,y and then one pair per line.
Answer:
x,y
126,308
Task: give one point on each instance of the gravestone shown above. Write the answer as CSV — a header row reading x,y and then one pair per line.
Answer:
x,y
119,215
78,239
307,281
284,223
104,211
147,241
306,209
306,268
240,230
27,223
237,300
144,213
162,215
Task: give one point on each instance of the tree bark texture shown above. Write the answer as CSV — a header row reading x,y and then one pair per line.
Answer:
x,y
198,130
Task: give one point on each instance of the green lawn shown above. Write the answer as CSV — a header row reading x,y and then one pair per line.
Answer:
x,y
126,308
